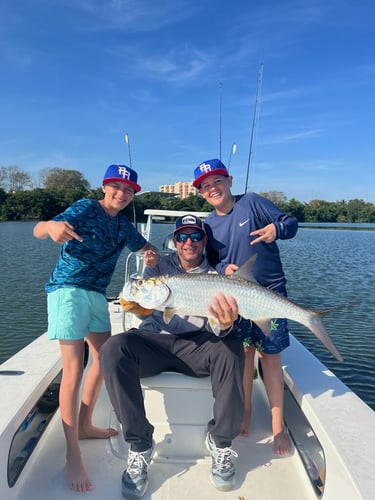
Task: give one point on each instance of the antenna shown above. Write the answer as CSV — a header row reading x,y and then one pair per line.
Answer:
x,y
127,140
232,152
254,123
220,116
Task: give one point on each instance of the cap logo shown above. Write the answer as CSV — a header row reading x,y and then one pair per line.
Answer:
x,y
205,167
188,219
124,173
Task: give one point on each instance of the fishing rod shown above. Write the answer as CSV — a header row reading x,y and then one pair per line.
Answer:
x,y
127,140
260,76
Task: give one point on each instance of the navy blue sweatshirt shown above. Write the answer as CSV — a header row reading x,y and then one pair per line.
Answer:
x,y
229,238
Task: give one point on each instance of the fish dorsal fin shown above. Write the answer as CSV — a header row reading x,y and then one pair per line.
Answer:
x,y
246,271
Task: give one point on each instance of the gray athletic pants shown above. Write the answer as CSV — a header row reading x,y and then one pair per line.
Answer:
x,y
127,357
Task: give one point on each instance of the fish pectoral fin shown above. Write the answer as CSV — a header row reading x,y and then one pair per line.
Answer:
x,y
264,324
215,325
168,313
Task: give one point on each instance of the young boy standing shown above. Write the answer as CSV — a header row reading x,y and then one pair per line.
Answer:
x,y
239,227
92,234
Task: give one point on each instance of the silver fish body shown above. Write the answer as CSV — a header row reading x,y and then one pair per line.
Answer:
x,y
191,294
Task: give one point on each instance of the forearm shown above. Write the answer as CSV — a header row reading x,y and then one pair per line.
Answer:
x,y
40,231
286,228
58,231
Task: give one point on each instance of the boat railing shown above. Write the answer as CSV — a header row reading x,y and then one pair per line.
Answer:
x,y
134,267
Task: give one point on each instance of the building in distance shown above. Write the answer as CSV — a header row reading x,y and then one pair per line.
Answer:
x,y
180,188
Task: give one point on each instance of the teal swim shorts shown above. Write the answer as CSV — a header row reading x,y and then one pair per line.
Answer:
x,y
74,312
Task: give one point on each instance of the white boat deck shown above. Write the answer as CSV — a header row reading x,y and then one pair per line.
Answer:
x,y
260,474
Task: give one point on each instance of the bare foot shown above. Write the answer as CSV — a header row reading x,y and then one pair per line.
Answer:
x,y
93,432
76,475
245,425
281,443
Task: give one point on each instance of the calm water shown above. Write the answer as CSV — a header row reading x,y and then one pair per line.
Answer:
x,y
324,267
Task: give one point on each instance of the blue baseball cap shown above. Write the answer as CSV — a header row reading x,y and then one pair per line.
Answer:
x,y
188,220
122,173
207,168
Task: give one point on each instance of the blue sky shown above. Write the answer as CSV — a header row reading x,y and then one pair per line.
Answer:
x,y
77,75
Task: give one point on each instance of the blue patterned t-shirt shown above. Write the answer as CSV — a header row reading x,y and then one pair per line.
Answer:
x,y
91,263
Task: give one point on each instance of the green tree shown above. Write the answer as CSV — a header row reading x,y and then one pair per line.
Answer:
x,y
357,211
44,204
277,197
3,196
60,200
296,209
59,178
14,179
95,194
342,211
19,205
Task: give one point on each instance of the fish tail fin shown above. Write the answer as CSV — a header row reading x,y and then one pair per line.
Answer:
x,y
317,327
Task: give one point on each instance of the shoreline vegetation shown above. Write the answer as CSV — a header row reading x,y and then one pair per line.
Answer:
x,y
19,202
43,204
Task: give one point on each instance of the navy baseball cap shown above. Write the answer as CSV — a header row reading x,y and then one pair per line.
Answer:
x,y
122,173
188,220
207,168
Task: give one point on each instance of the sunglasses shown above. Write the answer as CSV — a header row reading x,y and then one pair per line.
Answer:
x,y
183,237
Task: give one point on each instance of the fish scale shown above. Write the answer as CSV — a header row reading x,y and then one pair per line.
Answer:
x,y
254,302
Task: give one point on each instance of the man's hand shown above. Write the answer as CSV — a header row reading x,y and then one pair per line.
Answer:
x,y
224,309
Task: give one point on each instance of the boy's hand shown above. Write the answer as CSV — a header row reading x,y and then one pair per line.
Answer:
x,y
267,234
62,231
151,258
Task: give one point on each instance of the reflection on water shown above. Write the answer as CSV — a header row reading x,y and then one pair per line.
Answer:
x,y
324,267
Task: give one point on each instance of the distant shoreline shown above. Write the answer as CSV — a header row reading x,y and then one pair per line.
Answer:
x,y
355,226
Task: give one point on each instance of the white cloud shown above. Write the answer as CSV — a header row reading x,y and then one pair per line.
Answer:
x,y
132,15
180,64
293,137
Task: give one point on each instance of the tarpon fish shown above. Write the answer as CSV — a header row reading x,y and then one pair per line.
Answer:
x,y
191,294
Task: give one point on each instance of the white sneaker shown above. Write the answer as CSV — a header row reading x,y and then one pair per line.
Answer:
x,y
222,469
134,478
